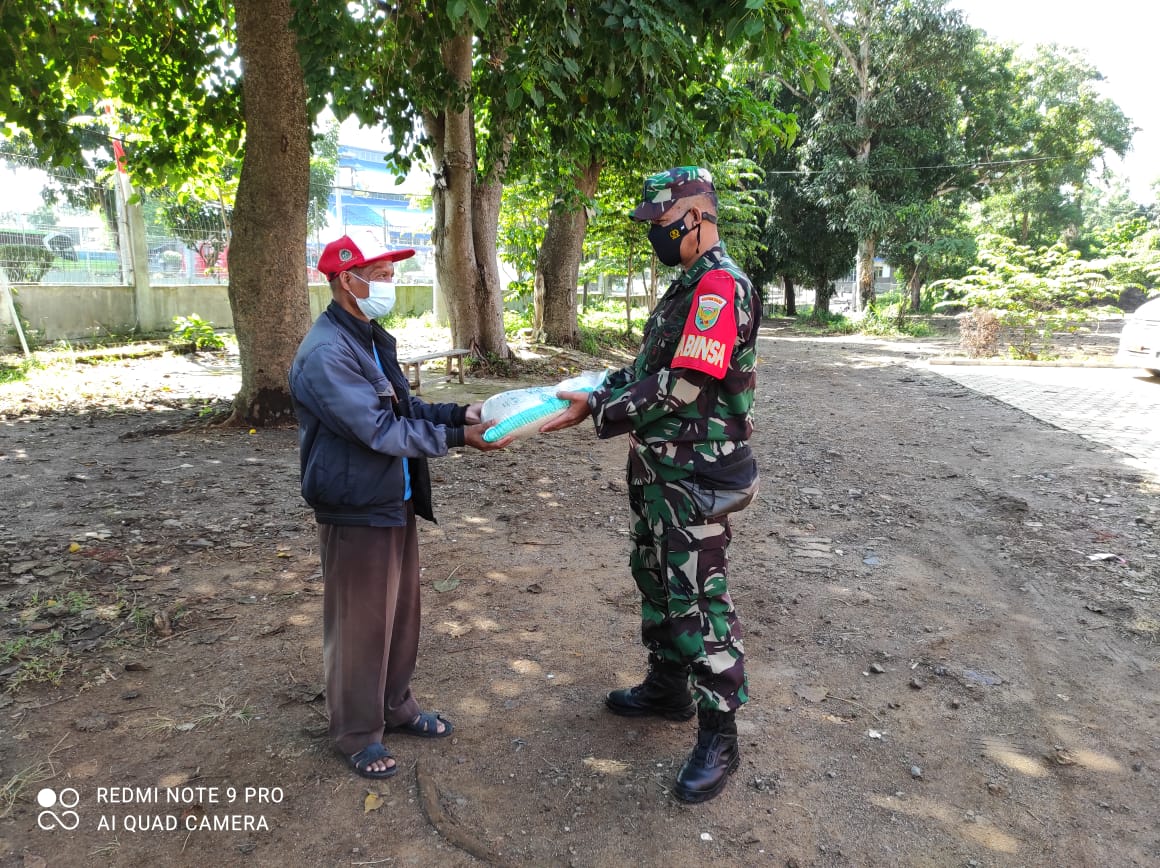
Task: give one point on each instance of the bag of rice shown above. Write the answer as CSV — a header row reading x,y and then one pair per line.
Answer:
x,y
522,412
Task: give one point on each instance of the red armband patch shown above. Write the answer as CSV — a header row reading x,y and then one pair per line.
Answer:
x,y
711,329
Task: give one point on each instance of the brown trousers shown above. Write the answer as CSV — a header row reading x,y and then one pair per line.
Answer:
x,y
370,629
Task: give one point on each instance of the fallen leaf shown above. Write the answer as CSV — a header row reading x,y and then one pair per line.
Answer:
x,y
448,584
372,802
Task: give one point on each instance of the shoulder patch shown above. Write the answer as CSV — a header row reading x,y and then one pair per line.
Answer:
x,y
711,328
708,309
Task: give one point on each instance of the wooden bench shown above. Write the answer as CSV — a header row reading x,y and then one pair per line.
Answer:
x,y
455,361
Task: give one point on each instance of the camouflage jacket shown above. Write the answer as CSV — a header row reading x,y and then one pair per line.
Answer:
x,y
687,396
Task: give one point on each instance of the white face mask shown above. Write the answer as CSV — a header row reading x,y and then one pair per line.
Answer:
x,y
380,300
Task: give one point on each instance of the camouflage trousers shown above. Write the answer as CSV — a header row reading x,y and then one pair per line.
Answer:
x,y
679,563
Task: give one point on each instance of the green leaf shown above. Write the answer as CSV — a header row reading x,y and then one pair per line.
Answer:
x,y
480,13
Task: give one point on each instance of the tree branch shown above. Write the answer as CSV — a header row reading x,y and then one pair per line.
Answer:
x,y
828,26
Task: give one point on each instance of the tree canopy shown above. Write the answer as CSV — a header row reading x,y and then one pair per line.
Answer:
x,y
911,134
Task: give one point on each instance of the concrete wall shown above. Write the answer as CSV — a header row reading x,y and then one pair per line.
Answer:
x,y
69,312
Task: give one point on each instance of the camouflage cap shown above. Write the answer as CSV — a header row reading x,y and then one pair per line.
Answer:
x,y
664,188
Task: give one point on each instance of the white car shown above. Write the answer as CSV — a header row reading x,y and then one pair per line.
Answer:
x,y
1140,339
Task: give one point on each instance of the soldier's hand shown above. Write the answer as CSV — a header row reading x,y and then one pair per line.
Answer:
x,y
473,437
576,413
474,413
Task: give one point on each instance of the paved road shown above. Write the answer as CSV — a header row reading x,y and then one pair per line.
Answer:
x,y
1116,407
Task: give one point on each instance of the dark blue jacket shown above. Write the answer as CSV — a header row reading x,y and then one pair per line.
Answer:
x,y
358,424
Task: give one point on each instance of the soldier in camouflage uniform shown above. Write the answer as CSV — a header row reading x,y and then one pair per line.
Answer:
x,y
685,404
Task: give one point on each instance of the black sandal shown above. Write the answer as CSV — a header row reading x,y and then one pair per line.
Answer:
x,y
362,761
426,725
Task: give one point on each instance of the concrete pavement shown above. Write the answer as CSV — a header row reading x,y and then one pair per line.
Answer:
x,y
1116,407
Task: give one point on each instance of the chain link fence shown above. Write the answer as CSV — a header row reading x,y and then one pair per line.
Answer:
x,y
61,226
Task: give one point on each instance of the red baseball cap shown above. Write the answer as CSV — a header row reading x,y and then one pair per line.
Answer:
x,y
347,253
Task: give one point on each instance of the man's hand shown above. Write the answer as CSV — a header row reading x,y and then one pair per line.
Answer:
x,y
473,437
474,413
574,415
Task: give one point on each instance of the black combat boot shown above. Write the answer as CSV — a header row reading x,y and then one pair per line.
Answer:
x,y
663,693
714,758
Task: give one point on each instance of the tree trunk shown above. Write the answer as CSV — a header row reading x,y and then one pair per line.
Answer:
x,y
466,222
914,284
628,290
790,298
558,264
650,295
488,289
267,285
865,275
822,296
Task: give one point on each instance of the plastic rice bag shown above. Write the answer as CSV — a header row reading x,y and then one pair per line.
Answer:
x,y
520,413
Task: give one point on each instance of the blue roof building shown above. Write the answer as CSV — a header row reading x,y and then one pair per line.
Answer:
x,y
367,196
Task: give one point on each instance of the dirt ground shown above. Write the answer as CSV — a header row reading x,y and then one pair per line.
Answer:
x,y
941,672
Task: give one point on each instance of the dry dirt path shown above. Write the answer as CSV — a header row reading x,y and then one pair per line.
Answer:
x,y
942,672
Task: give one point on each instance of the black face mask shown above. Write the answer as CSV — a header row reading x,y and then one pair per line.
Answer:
x,y
666,240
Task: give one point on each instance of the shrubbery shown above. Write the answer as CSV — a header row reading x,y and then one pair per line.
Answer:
x,y
196,334
25,263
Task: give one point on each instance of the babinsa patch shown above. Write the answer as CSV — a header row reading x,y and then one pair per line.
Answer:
x,y
345,255
708,310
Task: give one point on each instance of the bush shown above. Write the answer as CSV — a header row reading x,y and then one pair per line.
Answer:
x,y
891,321
979,333
25,263
811,319
196,334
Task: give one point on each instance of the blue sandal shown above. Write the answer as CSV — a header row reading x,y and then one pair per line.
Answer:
x,y
426,726
362,761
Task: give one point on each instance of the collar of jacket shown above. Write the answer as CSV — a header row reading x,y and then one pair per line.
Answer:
x,y
364,330
708,260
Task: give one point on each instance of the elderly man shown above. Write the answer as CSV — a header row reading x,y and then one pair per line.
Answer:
x,y
364,444
685,402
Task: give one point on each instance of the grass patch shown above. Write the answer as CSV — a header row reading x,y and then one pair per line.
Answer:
x,y
28,777
890,322
823,322
17,371
38,659
224,707
879,321
402,323
602,328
